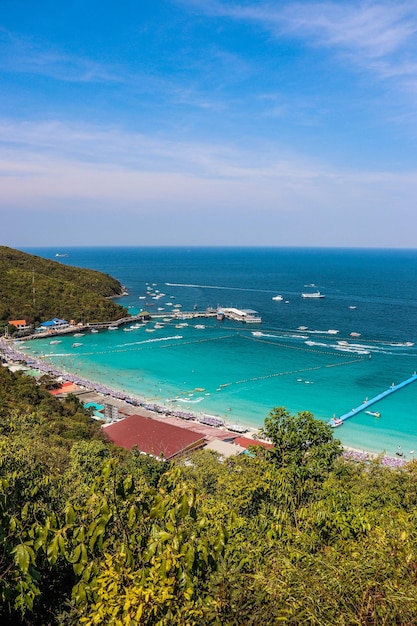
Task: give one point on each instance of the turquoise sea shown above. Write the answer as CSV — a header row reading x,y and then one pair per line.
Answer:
x,y
225,369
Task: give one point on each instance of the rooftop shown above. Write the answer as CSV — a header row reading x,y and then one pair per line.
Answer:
x,y
153,437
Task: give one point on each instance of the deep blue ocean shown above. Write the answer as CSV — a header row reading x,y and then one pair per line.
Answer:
x,y
292,360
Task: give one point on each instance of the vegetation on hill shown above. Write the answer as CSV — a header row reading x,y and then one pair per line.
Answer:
x,y
38,289
94,535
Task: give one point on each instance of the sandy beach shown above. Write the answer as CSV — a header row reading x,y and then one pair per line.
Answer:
x,y
91,391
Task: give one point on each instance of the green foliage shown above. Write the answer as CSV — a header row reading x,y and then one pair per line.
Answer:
x,y
98,536
37,289
301,440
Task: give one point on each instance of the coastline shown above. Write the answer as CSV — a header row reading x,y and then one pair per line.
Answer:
x,y
185,419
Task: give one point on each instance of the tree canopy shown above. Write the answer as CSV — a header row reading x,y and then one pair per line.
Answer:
x,y
38,289
96,535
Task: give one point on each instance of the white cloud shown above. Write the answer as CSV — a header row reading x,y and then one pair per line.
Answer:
x,y
378,36
23,55
53,166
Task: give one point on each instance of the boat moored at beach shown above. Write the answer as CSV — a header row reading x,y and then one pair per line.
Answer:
x,y
335,422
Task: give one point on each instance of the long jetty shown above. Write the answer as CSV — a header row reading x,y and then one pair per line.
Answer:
x,y
377,398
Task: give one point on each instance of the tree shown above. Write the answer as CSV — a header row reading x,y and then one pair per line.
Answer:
x,y
301,440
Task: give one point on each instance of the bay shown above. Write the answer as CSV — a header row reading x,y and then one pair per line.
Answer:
x,y
241,371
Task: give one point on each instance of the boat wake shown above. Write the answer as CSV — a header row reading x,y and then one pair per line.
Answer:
x,y
138,343
218,287
190,400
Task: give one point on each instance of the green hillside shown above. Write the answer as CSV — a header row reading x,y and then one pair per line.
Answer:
x,y
38,289
99,536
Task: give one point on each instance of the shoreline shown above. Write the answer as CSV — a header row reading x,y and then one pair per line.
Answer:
x,y
154,410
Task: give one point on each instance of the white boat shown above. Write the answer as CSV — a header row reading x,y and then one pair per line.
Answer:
x,y
278,298
313,294
355,334
374,413
76,345
352,307
78,335
113,327
335,422
94,330
55,341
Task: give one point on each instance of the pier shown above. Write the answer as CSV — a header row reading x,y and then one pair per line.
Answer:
x,y
377,398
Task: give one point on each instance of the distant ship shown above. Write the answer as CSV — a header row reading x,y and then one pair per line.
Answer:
x,y
61,255
314,294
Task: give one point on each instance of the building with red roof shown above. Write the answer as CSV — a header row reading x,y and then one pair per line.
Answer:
x,y
245,442
20,324
161,440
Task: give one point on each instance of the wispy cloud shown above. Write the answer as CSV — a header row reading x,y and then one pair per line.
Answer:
x,y
56,160
23,55
378,36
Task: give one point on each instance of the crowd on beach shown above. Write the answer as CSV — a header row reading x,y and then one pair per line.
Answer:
x,y
12,355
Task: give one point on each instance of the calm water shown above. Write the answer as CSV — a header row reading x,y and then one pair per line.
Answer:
x,y
225,369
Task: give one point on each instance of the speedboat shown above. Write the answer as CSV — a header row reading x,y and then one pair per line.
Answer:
x,y
335,422
113,327
374,413
76,345
278,298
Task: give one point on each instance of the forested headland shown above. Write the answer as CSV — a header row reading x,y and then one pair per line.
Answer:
x,y
37,289
95,535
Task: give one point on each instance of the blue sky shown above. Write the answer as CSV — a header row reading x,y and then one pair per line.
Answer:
x,y
196,122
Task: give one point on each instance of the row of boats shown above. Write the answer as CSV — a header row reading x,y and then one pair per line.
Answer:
x,y
313,294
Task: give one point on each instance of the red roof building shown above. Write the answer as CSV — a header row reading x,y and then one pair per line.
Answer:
x,y
68,387
245,442
19,324
154,437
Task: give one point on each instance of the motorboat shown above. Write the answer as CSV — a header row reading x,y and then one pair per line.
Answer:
x,y
113,327
76,345
335,422
278,298
374,413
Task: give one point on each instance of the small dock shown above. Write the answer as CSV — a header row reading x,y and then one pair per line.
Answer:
x,y
377,398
